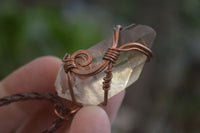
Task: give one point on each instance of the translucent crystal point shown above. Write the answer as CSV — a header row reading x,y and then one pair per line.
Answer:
x,y
88,90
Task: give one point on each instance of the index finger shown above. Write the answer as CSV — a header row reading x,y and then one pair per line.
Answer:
x,y
38,76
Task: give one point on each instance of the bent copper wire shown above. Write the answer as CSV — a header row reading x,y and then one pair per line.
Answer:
x,y
72,64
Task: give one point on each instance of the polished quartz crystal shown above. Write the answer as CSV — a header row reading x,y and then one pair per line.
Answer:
x,y
88,89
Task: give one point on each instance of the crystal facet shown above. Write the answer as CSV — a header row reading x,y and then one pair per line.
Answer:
x,y
88,90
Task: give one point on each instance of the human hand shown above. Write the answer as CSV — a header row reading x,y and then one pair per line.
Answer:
x,y
35,116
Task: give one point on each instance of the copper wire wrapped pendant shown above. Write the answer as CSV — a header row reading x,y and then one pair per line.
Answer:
x,y
121,58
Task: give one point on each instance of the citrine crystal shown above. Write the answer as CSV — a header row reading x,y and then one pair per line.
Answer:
x,y
88,89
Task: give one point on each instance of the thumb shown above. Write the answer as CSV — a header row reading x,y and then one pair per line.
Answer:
x,y
91,119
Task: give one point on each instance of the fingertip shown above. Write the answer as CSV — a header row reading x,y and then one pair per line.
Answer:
x,y
92,119
38,75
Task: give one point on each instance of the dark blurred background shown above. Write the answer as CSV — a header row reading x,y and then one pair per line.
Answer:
x,y
165,99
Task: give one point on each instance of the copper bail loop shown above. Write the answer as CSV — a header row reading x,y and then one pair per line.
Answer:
x,y
67,115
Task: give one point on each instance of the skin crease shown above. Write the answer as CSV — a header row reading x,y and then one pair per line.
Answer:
x,y
35,116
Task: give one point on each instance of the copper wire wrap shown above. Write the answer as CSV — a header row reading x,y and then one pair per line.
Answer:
x,y
75,63
72,64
